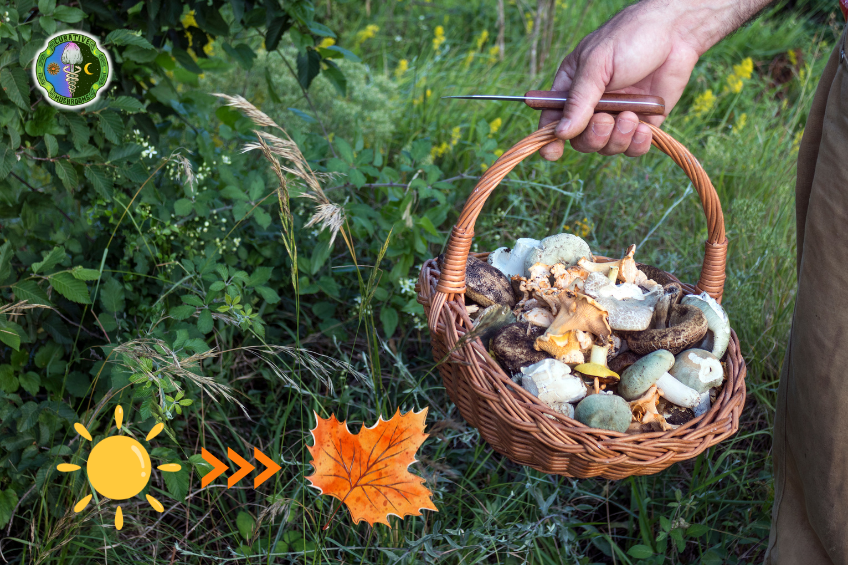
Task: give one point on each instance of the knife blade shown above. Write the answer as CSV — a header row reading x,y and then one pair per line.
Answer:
x,y
611,102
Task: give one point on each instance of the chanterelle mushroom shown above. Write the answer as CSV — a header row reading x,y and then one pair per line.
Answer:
x,y
577,312
567,347
644,409
626,266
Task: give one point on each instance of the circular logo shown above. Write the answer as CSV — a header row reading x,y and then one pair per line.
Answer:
x,y
72,69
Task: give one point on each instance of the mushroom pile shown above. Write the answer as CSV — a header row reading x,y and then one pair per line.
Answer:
x,y
598,341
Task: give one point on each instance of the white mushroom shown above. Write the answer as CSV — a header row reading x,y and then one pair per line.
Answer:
x,y
552,382
511,261
538,317
594,283
704,405
539,273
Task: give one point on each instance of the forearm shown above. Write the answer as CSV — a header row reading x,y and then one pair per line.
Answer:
x,y
704,23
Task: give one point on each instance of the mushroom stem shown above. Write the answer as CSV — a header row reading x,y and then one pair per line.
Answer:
x,y
599,354
704,404
676,392
613,274
597,388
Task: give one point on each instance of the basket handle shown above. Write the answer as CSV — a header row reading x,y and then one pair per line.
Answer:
x,y
451,284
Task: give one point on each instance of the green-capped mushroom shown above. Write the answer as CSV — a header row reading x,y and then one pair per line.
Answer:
x,y
604,411
698,369
653,369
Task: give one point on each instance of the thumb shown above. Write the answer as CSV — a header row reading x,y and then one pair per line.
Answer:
x,y
587,87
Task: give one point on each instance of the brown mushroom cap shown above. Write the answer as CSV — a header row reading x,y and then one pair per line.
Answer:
x,y
486,285
513,348
687,327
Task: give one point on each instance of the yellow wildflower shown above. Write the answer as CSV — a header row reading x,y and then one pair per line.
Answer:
x,y
188,20
528,22
439,37
740,123
327,42
494,126
368,33
468,60
456,135
704,102
581,228
439,150
484,36
494,52
420,99
796,142
734,83
403,66
498,152
483,167
208,49
741,73
744,69
793,57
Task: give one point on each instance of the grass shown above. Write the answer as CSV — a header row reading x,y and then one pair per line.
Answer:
x,y
713,509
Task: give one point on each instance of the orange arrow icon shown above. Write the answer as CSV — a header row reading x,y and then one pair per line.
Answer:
x,y
267,473
244,468
218,467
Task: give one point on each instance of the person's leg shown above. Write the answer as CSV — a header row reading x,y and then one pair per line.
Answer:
x,y
810,516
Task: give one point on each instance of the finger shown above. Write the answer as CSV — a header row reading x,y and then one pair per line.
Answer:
x,y
596,135
562,80
622,133
641,141
587,87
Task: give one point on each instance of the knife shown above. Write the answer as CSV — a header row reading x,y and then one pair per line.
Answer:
x,y
555,100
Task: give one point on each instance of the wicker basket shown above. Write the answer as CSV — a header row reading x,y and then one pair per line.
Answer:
x,y
515,422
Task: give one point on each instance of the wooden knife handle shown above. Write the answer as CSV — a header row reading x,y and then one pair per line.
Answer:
x,y
610,102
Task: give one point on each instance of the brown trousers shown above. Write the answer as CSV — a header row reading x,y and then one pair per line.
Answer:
x,y
810,515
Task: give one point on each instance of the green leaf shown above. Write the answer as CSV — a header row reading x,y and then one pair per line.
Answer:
x,y
389,317
245,524
112,296
344,52
68,14
276,29
8,502
127,104
15,84
308,67
31,292
192,299
56,256
345,150
260,276
71,288
112,126
29,416
79,128
336,77
52,146
184,59
181,312
183,207
268,294
85,274
262,217
243,54
7,160
48,24
30,382
65,170
97,177
320,29
205,322
640,552
177,483
8,380
10,334
5,261
697,530
127,37
124,152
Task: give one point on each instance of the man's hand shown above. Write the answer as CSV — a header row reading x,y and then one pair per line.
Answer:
x,y
647,48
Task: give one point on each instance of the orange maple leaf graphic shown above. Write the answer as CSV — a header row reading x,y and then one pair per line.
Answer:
x,y
368,471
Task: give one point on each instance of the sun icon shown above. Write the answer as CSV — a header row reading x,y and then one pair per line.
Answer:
x,y
53,68
118,467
